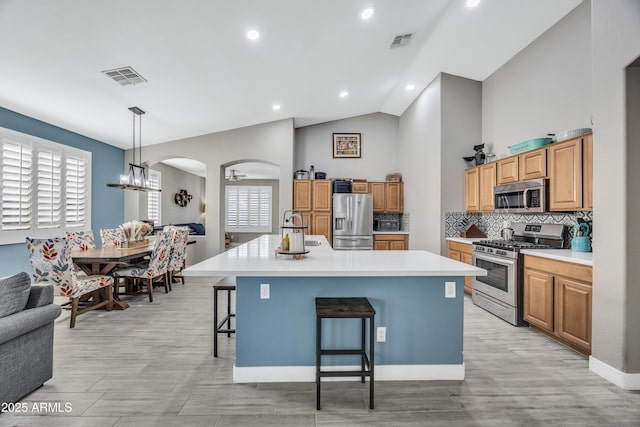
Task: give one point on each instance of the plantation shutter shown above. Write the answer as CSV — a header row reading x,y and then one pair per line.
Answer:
x,y
153,198
49,182
248,208
76,191
16,186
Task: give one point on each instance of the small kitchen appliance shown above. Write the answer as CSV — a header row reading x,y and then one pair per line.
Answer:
x,y
342,186
581,241
500,291
386,225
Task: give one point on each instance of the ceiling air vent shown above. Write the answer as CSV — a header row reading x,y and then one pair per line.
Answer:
x,y
401,40
125,76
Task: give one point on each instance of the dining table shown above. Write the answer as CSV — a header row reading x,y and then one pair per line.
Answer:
x,y
105,259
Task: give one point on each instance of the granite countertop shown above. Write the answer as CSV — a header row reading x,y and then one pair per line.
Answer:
x,y
390,232
257,258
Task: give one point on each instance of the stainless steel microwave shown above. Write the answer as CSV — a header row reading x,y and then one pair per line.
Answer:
x,y
521,197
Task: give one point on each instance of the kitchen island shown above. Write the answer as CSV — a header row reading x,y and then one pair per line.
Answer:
x,y
275,338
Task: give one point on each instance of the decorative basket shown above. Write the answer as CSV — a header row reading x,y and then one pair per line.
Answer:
x,y
134,244
394,177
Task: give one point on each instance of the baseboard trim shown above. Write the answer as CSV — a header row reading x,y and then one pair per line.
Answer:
x,y
621,379
261,374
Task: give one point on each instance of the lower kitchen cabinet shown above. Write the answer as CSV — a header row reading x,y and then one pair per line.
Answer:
x,y
390,242
557,300
462,252
321,225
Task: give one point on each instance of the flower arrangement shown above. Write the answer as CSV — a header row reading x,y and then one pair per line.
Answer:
x,y
136,230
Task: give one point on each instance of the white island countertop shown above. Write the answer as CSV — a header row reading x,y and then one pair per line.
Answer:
x,y
257,258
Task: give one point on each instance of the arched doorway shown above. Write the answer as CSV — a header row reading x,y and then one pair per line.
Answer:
x,y
240,181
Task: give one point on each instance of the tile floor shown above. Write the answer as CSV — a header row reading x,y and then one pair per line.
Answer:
x,y
151,365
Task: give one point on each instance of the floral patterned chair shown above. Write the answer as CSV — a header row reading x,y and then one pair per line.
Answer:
x,y
112,236
51,263
157,266
81,240
178,252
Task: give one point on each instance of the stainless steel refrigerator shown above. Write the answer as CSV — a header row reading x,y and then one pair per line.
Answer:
x,y
352,221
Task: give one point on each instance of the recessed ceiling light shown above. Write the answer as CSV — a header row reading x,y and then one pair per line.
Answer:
x,y
473,3
276,107
410,87
367,13
344,94
253,35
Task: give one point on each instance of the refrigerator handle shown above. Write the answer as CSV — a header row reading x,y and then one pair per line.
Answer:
x,y
350,207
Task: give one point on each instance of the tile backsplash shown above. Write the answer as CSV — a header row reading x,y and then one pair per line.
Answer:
x,y
491,223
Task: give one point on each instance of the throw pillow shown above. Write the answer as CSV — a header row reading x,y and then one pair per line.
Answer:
x,y
14,293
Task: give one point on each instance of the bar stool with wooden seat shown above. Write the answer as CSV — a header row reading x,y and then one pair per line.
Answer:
x,y
345,308
228,284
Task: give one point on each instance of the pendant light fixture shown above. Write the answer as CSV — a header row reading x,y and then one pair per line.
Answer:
x,y
136,176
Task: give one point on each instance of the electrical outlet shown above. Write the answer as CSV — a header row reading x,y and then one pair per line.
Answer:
x,y
449,289
264,291
381,334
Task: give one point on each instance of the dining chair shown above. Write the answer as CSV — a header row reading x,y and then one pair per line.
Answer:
x,y
81,240
112,236
178,253
51,263
157,266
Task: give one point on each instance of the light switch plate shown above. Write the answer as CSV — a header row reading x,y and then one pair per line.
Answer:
x,y
449,289
264,291
381,334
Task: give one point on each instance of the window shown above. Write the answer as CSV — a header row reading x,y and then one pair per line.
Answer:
x,y
153,197
45,187
248,208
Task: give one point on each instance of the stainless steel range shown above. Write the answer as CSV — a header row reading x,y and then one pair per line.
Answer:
x,y
500,291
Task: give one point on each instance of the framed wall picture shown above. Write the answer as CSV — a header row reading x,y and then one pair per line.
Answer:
x,y
346,145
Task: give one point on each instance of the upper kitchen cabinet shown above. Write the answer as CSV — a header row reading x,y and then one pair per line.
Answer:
x,y
478,186
533,164
472,190
387,196
587,172
359,187
302,194
569,170
507,170
321,195
487,182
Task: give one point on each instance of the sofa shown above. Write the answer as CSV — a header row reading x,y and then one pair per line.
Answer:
x,y
27,315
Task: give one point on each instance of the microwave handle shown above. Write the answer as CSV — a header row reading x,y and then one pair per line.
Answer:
x,y
524,196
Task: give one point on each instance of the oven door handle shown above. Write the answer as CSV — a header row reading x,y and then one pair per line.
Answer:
x,y
497,260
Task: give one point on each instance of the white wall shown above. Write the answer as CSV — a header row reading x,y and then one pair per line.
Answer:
x,y
379,136
461,130
271,142
616,314
419,158
544,89
435,132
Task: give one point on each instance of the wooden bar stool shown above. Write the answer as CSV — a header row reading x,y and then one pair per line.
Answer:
x,y
345,308
219,324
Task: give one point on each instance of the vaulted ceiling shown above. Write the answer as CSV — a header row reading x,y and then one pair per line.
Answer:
x,y
204,75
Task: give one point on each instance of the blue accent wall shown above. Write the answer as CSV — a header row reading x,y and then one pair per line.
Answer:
x,y
107,204
423,327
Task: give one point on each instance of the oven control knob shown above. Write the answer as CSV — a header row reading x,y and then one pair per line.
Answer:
x,y
501,253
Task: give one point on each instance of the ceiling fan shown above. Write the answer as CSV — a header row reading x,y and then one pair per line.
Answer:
x,y
233,176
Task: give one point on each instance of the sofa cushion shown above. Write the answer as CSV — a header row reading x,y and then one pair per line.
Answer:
x,y
14,293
